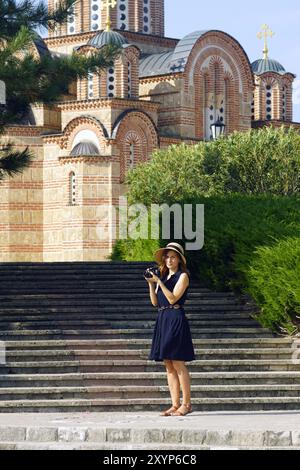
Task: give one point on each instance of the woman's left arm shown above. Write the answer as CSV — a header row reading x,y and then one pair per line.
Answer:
x,y
179,289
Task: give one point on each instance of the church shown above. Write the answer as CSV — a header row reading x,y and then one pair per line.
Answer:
x,y
160,91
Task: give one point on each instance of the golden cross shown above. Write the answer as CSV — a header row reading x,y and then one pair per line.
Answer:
x,y
266,31
108,4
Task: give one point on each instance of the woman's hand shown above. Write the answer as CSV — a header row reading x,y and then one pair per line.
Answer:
x,y
149,280
155,278
152,279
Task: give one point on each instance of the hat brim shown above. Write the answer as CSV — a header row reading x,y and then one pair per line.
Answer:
x,y
158,254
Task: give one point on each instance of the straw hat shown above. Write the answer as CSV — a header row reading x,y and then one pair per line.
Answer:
x,y
158,254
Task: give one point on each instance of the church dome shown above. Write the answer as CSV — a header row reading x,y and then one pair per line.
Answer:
x,y
84,148
105,38
267,65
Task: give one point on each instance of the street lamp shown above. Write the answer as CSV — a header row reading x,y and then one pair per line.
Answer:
x,y
2,95
217,129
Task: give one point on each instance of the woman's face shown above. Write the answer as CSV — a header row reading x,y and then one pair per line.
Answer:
x,y
172,260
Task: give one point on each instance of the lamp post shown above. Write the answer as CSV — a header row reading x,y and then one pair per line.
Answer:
x,y
217,129
2,95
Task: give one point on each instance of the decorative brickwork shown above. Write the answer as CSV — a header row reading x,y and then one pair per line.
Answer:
x,y
137,130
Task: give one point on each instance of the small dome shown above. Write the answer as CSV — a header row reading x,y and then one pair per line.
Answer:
x,y
84,148
267,65
107,37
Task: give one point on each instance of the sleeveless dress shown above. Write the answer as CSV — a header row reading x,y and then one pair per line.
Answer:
x,y
172,336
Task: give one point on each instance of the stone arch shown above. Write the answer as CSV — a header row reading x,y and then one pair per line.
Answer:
x,y
134,127
227,47
214,67
83,123
229,97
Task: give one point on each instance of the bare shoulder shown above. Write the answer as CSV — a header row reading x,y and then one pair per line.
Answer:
x,y
184,279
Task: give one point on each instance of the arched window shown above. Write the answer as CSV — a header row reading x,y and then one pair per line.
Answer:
x,y
95,15
122,15
147,29
90,86
129,81
131,155
284,101
71,24
269,99
111,82
72,189
208,108
253,108
222,113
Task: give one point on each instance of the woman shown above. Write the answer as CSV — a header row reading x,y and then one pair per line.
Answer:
x,y
172,342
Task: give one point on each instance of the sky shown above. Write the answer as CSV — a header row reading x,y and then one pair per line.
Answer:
x,y
243,21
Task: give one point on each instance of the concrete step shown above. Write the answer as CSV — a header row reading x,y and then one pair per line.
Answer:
x,y
62,264
195,292
83,324
46,268
142,447
276,378
153,404
147,392
148,429
115,333
140,316
134,343
136,354
118,275
92,281
98,446
97,278
111,303
141,365
175,448
115,294
123,309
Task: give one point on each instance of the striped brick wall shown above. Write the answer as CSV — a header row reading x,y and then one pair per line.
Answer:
x,y
21,202
143,16
281,88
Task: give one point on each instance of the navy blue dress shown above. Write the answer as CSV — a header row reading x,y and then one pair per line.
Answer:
x,y
172,336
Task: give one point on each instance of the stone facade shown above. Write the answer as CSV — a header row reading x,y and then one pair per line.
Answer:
x,y
160,91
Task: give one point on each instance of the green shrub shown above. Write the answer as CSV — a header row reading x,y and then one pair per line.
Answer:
x,y
273,282
265,161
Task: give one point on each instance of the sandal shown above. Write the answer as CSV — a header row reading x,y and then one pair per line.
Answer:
x,y
188,409
170,411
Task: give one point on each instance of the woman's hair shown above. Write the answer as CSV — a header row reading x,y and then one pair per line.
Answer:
x,y
165,270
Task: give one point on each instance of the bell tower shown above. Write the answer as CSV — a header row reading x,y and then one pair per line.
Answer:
x,y
140,16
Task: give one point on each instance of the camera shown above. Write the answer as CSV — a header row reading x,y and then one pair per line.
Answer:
x,y
150,271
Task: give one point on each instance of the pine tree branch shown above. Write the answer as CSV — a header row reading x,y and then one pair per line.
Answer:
x,y
31,80
14,14
13,162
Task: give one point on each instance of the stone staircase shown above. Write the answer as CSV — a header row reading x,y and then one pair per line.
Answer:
x,y
77,338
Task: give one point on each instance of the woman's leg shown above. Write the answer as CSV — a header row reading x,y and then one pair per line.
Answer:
x,y
173,383
184,379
